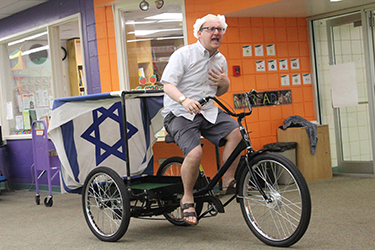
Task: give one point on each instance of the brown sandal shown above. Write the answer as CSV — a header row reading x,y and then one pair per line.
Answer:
x,y
188,214
231,189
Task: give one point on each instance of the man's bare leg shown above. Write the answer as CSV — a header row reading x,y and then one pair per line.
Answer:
x,y
189,175
233,138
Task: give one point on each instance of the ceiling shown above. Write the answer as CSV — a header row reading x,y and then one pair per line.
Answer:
x,y
10,7
298,8
281,8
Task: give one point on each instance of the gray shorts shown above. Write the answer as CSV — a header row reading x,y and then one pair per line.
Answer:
x,y
187,134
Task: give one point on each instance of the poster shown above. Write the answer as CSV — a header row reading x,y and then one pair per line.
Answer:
x,y
9,111
283,64
26,120
42,98
19,122
246,50
296,79
306,78
276,97
272,65
343,85
285,80
259,50
261,66
294,63
271,50
28,101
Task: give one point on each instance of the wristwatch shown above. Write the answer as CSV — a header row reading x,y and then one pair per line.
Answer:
x,y
181,99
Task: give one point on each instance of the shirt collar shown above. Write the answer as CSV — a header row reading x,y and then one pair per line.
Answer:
x,y
204,51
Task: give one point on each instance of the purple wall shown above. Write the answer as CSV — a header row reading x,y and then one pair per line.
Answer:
x,y
19,152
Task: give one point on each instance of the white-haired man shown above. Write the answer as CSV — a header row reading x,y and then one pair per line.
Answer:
x,y
195,71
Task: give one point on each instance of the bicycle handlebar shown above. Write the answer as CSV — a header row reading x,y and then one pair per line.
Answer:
x,y
204,100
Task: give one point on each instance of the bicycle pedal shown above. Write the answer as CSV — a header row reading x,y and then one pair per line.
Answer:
x,y
213,201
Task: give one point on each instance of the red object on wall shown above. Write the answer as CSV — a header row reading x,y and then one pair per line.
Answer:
x,y
236,70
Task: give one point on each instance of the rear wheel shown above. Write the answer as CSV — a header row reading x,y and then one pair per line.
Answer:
x,y
106,204
283,218
172,167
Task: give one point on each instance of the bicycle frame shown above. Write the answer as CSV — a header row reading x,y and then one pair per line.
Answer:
x,y
245,143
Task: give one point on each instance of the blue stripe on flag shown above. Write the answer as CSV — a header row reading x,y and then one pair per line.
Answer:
x,y
60,101
153,105
149,108
67,131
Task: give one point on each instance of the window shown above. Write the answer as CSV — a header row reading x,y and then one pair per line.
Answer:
x,y
32,78
29,94
151,37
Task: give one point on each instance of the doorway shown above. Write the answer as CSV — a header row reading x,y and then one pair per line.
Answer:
x,y
340,40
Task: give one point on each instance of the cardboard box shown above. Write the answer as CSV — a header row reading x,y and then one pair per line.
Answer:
x,y
313,167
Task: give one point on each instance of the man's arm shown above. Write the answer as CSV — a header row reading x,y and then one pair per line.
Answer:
x,y
190,105
172,91
220,79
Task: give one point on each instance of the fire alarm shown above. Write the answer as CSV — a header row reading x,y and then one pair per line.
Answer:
x,y
236,70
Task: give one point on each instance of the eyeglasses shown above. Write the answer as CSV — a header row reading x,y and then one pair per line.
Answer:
x,y
212,29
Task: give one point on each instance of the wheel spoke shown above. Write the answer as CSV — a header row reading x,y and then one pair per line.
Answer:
x,y
103,203
276,218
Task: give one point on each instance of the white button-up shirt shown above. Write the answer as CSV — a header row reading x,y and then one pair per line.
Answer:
x,y
188,69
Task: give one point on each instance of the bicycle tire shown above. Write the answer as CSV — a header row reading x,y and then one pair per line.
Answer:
x,y
106,204
284,220
172,167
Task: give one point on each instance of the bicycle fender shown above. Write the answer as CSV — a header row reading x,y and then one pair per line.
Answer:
x,y
242,165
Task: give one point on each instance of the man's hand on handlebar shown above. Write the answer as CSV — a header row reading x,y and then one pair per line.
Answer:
x,y
192,106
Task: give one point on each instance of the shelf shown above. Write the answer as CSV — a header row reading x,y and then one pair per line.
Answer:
x,y
76,73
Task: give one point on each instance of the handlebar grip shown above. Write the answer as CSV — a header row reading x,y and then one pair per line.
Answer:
x,y
203,101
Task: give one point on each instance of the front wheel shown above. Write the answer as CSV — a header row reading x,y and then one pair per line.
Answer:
x,y
106,204
283,217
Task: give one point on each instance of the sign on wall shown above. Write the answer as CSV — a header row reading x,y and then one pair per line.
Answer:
x,y
277,97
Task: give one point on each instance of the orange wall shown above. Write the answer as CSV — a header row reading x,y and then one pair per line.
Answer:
x,y
106,42
290,37
105,32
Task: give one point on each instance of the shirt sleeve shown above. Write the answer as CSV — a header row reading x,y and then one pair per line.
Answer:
x,y
174,70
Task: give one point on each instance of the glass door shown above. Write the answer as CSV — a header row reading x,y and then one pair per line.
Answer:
x,y
353,126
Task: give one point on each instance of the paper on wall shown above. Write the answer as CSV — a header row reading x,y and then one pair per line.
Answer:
x,y
9,111
246,50
343,85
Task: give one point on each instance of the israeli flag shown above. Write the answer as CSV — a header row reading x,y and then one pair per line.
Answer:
x,y
88,132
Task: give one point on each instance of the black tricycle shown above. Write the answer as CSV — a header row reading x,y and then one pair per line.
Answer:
x,y
272,193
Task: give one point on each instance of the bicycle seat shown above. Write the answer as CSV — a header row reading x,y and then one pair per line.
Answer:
x,y
168,138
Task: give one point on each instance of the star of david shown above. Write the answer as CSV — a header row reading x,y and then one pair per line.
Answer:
x,y
92,134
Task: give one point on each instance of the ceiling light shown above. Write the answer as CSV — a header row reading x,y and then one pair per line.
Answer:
x,y
28,38
149,32
169,37
142,32
139,40
335,0
142,22
144,5
159,4
168,21
173,16
27,52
